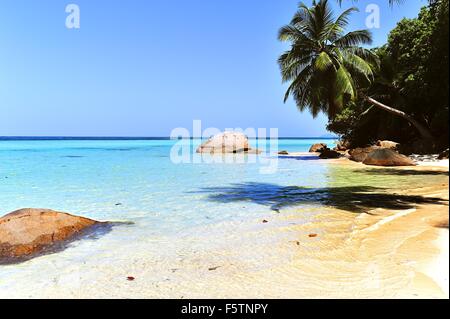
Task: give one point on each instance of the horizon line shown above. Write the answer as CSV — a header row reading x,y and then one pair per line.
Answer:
x,y
54,137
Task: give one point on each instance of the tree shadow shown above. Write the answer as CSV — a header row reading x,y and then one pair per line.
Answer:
x,y
355,199
401,172
442,224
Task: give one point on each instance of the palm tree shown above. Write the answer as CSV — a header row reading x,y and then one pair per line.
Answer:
x,y
327,68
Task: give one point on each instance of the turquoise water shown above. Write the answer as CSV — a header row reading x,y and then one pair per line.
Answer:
x,y
137,181
128,180
165,203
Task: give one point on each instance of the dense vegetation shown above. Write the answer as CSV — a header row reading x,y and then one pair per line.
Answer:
x,y
400,95
413,76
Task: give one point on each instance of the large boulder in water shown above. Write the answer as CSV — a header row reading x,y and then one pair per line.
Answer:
x,y
226,142
387,157
360,154
26,232
317,147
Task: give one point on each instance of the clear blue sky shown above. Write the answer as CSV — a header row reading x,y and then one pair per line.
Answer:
x,y
144,67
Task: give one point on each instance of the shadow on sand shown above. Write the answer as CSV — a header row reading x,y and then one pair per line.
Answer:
x,y
355,199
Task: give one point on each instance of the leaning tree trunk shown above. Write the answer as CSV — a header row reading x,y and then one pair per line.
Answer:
x,y
424,132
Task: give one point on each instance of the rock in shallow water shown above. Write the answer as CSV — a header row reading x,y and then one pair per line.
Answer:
x,y
27,232
387,157
227,142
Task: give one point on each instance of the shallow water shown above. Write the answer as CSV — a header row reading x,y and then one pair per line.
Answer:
x,y
136,181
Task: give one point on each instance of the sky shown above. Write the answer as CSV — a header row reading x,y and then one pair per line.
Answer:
x,y
145,67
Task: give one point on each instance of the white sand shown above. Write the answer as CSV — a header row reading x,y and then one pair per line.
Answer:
x,y
438,269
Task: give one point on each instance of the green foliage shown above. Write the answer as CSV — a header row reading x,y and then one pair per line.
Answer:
x,y
344,122
419,47
412,76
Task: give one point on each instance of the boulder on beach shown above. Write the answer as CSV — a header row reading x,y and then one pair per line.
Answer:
x,y
227,142
359,154
342,146
326,153
387,157
283,153
26,232
317,147
388,144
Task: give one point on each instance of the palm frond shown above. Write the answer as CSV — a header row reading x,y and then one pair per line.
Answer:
x,y
323,62
358,65
354,38
363,53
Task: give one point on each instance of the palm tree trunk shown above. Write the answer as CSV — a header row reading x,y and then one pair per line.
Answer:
x,y
424,132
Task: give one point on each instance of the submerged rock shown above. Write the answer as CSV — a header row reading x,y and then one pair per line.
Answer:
x,y
387,157
26,232
317,147
227,142
360,154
